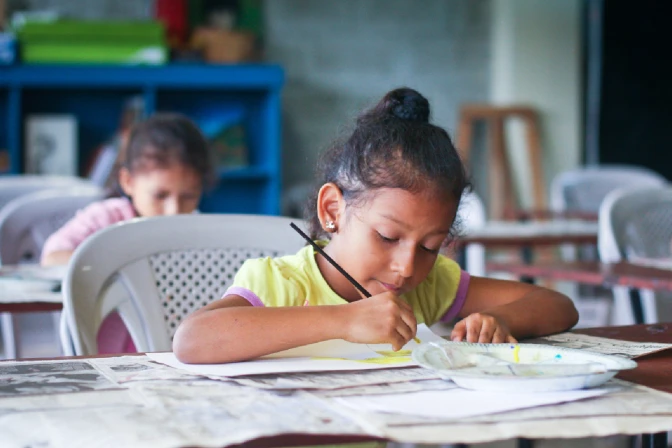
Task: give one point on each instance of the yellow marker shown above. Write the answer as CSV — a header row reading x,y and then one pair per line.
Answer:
x,y
417,340
516,351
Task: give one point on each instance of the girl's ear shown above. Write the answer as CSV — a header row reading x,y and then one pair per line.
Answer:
x,y
126,181
330,207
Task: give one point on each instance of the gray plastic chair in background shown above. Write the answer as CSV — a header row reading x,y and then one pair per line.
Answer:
x,y
637,223
156,271
12,187
25,224
583,189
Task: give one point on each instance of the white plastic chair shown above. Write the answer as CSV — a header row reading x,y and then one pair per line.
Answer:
x,y
471,216
25,224
156,271
635,222
583,189
12,187
27,221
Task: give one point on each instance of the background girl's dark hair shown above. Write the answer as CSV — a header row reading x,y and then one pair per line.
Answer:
x,y
164,139
393,145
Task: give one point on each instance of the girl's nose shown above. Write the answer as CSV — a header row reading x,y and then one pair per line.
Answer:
x,y
171,207
404,260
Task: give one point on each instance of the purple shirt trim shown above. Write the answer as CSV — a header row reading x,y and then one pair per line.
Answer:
x,y
245,294
460,298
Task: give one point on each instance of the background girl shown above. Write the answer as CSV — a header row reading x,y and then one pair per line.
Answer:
x,y
165,167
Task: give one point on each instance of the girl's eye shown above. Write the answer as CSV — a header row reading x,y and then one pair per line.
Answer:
x,y
431,251
160,196
386,239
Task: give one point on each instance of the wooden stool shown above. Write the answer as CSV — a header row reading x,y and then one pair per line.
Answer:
x,y
502,195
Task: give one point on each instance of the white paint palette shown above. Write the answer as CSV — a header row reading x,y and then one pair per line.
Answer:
x,y
518,367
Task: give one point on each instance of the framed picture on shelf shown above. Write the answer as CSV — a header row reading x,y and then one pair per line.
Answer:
x,y
51,145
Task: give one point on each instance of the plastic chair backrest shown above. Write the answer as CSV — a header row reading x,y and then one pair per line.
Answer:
x,y
28,220
583,189
156,271
636,222
12,187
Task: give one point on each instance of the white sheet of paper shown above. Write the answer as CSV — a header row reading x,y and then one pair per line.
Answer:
x,y
339,354
460,403
33,271
29,297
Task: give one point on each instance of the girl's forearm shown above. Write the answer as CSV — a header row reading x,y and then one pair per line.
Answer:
x,y
539,313
241,333
57,258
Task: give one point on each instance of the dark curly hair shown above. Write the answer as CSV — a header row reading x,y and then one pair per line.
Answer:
x,y
161,140
393,145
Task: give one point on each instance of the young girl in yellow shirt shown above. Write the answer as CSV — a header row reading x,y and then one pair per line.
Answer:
x,y
387,203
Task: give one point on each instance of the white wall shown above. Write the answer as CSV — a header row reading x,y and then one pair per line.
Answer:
x,y
536,60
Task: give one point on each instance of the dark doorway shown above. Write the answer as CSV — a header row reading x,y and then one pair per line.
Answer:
x,y
636,84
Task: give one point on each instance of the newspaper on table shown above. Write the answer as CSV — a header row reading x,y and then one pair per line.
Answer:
x,y
126,369
336,380
386,388
602,345
630,409
139,402
33,378
153,404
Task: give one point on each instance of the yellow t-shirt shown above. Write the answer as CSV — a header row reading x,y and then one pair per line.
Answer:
x,y
295,280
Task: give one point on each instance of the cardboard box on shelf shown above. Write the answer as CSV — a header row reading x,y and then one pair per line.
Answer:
x,y
219,45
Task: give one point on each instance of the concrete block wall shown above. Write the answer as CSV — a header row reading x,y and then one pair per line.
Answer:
x,y
341,56
90,9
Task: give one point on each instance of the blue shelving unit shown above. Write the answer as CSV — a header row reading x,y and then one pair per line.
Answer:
x,y
96,95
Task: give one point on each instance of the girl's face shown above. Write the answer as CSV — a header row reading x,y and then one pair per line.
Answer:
x,y
389,243
172,190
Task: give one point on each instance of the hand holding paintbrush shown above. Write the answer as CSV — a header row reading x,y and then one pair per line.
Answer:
x,y
336,265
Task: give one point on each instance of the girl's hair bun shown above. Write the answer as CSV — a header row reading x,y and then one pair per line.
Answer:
x,y
406,104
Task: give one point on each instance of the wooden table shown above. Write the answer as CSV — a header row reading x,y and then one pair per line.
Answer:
x,y
654,371
14,298
592,273
521,234
29,307
630,275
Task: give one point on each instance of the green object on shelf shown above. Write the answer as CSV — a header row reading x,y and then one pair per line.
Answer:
x,y
100,31
92,53
70,41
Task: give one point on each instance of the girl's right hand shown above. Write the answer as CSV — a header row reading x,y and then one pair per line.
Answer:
x,y
380,319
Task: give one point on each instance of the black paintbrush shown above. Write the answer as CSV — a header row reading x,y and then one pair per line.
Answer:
x,y
334,264
331,260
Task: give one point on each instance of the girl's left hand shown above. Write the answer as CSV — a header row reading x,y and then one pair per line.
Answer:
x,y
483,328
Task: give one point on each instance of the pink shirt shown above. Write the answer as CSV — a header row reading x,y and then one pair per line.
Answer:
x,y
113,337
88,221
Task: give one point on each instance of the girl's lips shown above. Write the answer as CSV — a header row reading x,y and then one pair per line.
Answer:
x,y
390,287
